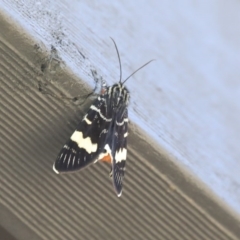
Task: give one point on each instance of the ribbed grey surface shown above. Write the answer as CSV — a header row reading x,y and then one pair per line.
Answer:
x,y
83,205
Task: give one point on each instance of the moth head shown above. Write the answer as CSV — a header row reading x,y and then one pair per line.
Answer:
x,y
119,94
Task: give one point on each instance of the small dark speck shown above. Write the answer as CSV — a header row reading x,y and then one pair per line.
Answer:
x,y
75,99
82,54
53,49
43,67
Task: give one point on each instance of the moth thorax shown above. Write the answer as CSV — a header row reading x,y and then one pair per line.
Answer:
x,y
119,95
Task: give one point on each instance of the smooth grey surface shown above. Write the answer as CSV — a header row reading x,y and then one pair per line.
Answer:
x,y
160,201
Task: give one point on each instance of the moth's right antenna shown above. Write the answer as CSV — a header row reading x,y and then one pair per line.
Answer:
x,y
138,70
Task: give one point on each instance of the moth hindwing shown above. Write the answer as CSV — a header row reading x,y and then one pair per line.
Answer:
x,y
100,136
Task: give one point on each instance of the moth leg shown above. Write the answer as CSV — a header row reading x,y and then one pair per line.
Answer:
x,y
98,80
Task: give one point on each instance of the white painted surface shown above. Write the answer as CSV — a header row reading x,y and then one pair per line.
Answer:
x,y
188,100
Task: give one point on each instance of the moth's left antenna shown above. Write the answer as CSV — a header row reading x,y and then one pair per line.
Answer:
x,y
120,65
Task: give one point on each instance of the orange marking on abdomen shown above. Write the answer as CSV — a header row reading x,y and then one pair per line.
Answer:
x,y
106,158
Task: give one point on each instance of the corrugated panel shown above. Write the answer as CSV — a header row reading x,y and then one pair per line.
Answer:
x,y
34,127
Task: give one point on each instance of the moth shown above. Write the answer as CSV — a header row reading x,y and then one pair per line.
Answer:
x,y
102,134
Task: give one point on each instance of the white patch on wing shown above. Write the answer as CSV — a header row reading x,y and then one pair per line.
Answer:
x,y
102,155
121,155
66,146
104,131
125,134
119,194
85,143
54,169
69,159
87,120
98,110
101,99
121,123
64,158
73,161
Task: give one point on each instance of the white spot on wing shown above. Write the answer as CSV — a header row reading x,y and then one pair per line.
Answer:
x,y
87,120
85,143
125,134
121,155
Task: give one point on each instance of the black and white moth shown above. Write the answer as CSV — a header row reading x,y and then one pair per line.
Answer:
x,y
101,135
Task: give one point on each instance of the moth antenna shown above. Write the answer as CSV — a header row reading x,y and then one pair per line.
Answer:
x,y
138,70
119,60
